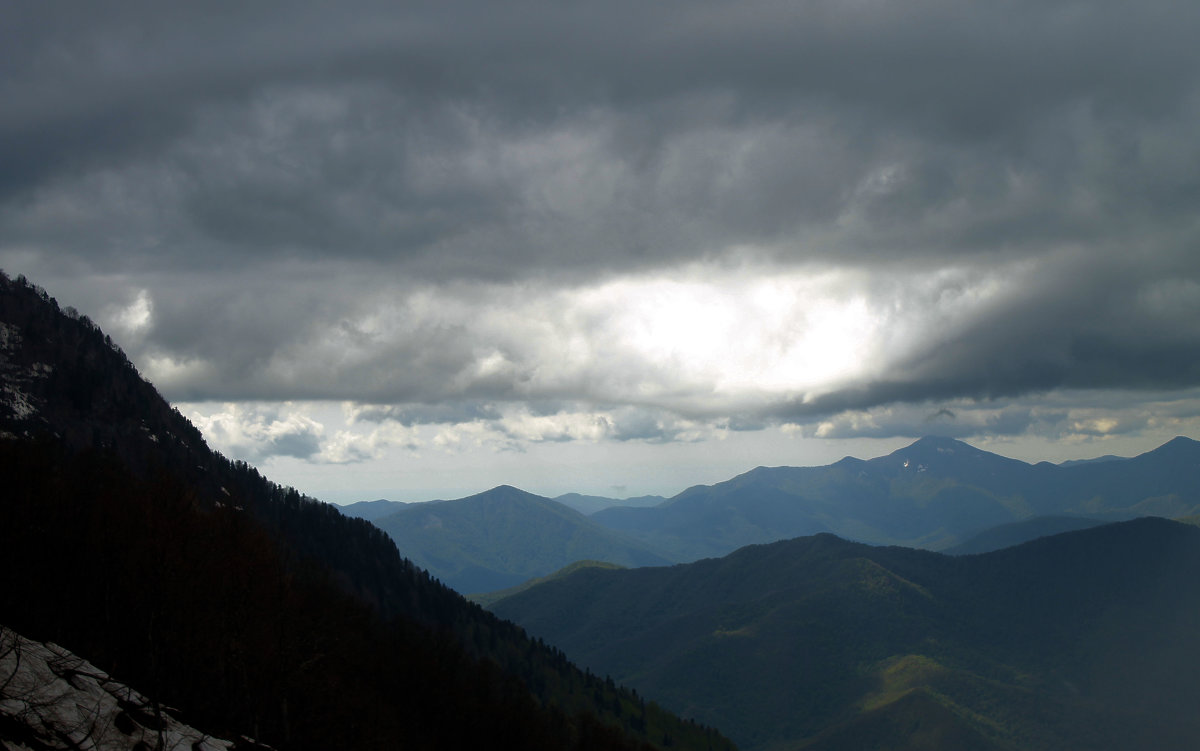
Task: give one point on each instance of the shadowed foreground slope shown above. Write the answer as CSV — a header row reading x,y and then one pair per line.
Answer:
x,y
252,609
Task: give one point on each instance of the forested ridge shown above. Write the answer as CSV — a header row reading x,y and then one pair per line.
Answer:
x,y
1082,640
253,609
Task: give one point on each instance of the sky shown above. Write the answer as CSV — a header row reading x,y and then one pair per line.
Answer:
x,y
416,250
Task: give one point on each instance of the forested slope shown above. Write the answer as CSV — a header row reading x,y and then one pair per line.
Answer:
x,y
251,608
1080,640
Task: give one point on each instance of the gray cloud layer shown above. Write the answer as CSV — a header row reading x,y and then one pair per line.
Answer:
x,y
409,205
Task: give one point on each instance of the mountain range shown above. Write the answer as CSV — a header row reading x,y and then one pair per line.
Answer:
x,y
584,504
936,493
251,609
504,536
590,504
1082,640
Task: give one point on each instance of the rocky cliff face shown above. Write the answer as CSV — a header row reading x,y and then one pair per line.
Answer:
x,y
51,698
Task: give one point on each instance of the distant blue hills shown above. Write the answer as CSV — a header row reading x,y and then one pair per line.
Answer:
x,y
936,493
504,536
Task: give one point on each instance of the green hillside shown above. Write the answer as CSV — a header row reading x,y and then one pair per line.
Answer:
x,y
487,598
1080,640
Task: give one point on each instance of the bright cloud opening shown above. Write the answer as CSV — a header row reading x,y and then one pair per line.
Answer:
x,y
765,333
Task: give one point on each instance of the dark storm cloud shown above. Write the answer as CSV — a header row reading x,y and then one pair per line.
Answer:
x,y
631,424
967,98
276,174
1094,319
1079,416
1091,324
299,446
1002,420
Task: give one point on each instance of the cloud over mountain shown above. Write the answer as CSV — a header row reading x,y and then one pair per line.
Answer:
x,y
673,217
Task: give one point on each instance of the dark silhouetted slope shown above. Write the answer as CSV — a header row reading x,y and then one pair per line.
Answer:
x,y
251,608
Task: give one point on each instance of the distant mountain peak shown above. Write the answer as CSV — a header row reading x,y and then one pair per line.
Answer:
x,y
941,442
507,493
934,438
500,493
504,536
933,448
1179,447
1093,460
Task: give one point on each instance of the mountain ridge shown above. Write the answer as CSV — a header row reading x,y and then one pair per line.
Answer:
x,y
370,510
504,536
933,493
807,635
590,504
